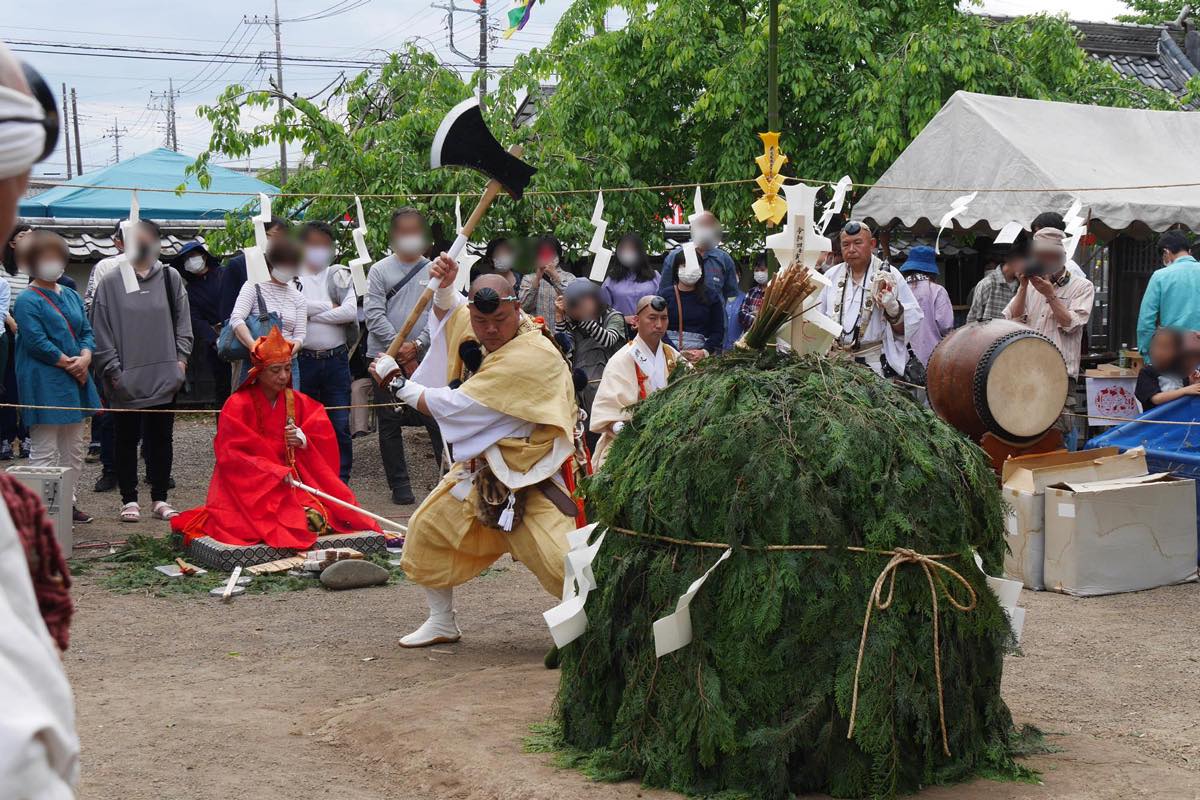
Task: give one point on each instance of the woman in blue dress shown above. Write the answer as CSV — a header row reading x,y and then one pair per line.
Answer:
x,y
53,354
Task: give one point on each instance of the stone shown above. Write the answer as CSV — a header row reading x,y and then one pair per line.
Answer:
x,y
353,574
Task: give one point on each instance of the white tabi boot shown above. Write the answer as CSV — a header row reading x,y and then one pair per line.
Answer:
x,y
440,628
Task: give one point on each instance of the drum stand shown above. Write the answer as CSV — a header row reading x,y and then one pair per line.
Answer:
x,y
999,450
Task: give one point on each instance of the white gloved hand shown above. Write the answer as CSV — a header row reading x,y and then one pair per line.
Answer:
x,y
891,305
407,392
617,427
444,297
386,368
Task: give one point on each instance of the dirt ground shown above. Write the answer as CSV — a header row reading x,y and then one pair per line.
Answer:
x,y
306,695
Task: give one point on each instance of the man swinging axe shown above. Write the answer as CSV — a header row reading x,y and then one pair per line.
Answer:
x,y
510,421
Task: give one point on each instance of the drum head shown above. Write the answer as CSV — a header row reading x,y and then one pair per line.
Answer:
x,y
1026,385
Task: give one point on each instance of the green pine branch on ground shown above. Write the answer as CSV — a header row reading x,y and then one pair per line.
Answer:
x,y
759,449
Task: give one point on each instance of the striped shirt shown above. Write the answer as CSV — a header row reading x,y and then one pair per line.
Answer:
x,y
16,284
283,299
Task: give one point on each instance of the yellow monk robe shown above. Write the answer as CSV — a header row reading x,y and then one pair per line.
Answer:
x,y
629,376
526,379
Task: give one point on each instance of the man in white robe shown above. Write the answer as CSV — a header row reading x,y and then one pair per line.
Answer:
x,y
871,302
632,374
39,749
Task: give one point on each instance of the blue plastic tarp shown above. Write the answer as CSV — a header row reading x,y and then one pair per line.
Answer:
x,y
158,169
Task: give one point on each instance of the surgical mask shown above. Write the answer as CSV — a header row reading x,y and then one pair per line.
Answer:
x,y
628,258
690,276
283,274
411,246
49,271
761,276
319,257
502,263
22,143
195,265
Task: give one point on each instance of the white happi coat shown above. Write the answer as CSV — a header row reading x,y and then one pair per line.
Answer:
x,y
844,303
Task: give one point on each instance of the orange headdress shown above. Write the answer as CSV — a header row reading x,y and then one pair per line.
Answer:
x,y
267,350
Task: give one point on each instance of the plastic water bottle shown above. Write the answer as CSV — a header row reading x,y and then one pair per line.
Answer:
x,y
1122,358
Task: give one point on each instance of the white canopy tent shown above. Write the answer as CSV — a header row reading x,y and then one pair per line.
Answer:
x,y
1029,156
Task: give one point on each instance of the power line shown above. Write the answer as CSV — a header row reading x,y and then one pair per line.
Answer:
x,y
336,9
115,134
165,102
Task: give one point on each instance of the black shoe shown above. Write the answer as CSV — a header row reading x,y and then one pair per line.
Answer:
x,y
403,496
105,483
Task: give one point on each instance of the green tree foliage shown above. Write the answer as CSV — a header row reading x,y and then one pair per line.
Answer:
x,y
1152,12
675,96
763,450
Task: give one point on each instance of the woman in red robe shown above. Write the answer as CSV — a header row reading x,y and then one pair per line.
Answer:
x,y
267,432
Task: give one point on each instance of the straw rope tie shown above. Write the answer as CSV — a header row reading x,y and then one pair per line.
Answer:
x,y
929,565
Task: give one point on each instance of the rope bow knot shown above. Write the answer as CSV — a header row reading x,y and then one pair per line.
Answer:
x,y
932,567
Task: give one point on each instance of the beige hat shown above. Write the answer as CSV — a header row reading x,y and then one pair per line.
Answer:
x,y
1049,240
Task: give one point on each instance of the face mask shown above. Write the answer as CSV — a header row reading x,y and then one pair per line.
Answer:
x,y
195,265
628,258
319,257
283,274
411,246
148,253
689,276
22,144
49,271
502,263
761,277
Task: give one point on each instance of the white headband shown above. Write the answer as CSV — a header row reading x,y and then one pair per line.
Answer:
x,y
21,143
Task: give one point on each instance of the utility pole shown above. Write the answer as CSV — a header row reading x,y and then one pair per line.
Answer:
x,y
66,133
256,20
480,62
115,134
75,125
165,102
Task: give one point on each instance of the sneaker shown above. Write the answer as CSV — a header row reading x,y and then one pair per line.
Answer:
x,y
6,451
80,517
403,496
131,512
93,453
26,447
106,482
162,510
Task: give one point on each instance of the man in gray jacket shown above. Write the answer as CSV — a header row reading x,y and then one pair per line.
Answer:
x,y
143,340
393,286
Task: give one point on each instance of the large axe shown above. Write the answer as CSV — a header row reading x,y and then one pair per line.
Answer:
x,y
463,140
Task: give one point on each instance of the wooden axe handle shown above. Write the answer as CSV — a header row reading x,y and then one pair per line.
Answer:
x,y
490,193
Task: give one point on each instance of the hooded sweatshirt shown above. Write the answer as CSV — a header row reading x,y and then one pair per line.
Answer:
x,y
138,346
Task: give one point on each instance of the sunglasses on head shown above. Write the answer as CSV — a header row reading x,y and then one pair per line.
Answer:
x,y
487,300
45,98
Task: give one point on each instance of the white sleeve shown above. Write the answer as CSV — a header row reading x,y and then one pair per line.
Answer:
x,y
431,371
912,309
468,426
39,749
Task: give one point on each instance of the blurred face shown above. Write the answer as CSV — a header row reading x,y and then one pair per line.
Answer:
x,y
148,245
318,251
584,308
857,248
498,328
408,237
651,325
547,256
21,251
1050,262
504,258
1164,350
275,377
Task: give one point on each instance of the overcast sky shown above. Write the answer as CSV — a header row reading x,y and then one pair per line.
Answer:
x,y
119,89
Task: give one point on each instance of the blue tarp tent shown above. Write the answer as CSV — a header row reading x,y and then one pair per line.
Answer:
x,y
1169,448
158,169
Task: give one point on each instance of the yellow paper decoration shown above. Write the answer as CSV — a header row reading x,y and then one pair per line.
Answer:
x,y
770,207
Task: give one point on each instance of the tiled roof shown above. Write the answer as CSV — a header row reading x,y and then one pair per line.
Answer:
x,y
1151,54
91,244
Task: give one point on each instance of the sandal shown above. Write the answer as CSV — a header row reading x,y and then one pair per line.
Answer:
x,y
131,512
162,510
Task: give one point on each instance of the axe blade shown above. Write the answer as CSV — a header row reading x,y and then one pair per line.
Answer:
x,y
463,140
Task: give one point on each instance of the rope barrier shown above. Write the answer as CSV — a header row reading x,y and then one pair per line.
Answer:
x,y
930,565
167,410
621,189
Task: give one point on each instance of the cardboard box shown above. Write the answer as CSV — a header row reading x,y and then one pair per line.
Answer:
x,y
1024,484
1121,535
